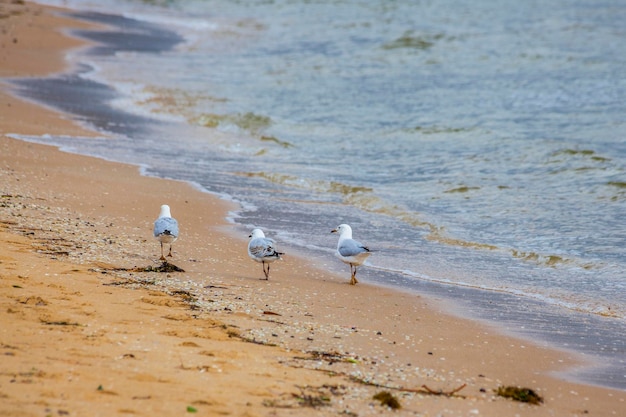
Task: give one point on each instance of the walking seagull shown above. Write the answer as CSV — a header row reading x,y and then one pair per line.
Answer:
x,y
166,229
349,250
263,249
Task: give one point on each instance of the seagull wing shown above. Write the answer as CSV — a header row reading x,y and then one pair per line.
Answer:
x,y
263,248
351,247
166,226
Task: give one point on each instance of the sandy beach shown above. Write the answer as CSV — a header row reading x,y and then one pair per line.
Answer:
x,y
85,330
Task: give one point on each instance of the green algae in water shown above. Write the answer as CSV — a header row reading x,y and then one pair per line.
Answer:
x,y
463,189
252,122
586,152
283,179
591,154
312,185
247,121
411,41
600,159
346,189
276,141
547,260
433,130
209,120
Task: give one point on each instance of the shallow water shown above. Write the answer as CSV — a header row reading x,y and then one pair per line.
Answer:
x,y
477,146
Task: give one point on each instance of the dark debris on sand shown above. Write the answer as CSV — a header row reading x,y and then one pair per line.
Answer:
x,y
525,395
164,267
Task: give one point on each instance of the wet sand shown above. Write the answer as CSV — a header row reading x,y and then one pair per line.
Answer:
x,y
84,332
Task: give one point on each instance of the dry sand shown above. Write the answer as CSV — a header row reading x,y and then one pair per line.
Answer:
x,y
83,332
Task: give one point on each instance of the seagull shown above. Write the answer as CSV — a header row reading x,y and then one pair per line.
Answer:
x,y
165,229
349,250
262,249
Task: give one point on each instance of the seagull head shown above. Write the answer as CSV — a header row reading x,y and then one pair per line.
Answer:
x,y
257,233
165,211
343,230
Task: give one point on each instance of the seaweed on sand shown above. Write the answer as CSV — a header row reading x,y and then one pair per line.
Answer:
x,y
525,395
309,396
164,267
387,399
314,400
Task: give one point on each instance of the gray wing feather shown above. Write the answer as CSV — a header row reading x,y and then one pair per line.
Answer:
x,y
166,225
263,248
351,248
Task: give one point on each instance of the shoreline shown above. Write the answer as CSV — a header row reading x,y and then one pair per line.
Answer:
x,y
526,319
444,352
595,338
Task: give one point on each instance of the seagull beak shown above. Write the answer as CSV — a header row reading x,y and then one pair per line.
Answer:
x,y
333,231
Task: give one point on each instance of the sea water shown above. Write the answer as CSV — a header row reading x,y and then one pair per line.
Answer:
x,y
478,148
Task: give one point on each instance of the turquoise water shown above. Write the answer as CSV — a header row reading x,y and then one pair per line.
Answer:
x,y
479,145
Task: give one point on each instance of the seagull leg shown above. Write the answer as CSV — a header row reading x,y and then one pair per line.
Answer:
x,y
267,273
170,254
162,257
353,279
